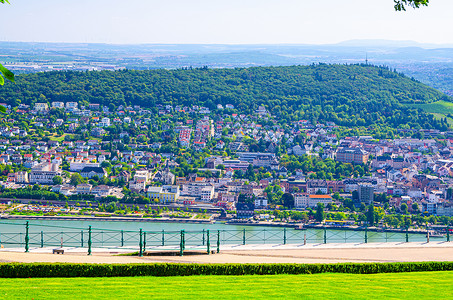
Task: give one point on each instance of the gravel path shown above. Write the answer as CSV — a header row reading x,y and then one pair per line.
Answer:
x,y
336,253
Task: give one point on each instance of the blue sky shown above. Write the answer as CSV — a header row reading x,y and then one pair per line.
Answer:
x,y
228,22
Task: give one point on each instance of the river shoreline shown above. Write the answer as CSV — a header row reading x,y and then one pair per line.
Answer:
x,y
330,227
118,219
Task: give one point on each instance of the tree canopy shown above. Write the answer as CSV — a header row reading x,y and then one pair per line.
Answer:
x,y
347,95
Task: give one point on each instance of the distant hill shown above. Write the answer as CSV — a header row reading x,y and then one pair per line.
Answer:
x,y
429,63
349,95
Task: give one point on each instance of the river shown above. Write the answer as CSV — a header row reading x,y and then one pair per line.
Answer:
x,y
74,233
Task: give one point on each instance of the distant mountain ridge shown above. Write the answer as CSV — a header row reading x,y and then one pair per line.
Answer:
x,y
429,63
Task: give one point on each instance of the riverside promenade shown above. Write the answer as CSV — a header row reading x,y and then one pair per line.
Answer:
x,y
257,253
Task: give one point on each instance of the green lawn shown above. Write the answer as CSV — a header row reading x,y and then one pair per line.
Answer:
x,y
57,138
426,285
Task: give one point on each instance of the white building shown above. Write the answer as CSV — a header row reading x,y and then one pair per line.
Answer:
x,y
78,166
301,200
198,190
84,188
207,193
71,106
44,173
57,105
101,190
313,200
41,107
105,122
137,185
261,202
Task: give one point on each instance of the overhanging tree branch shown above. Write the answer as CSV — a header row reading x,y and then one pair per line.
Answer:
x,y
400,5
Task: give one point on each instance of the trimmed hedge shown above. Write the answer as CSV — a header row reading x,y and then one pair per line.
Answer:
x,y
19,270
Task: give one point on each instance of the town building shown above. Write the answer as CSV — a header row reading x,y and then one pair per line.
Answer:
x,y
366,194
90,172
165,194
352,155
44,173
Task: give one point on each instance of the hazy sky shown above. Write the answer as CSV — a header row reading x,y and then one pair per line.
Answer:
x,y
230,21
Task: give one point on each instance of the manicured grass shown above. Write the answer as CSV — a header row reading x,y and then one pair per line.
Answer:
x,y
424,285
58,138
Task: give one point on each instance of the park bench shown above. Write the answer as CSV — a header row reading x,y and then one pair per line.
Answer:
x,y
58,251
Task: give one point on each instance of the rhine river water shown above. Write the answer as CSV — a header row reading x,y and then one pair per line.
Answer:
x,y
75,233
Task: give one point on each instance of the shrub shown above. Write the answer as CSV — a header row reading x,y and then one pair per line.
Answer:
x,y
19,270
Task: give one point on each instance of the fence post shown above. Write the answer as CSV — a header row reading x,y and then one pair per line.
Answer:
x,y
427,236
305,239
208,242
181,250
366,234
243,236
163,237
448,233
122,238
183,239
284,236
42,239
140,244
81,238
27,238
325,235
203,237
144,241
407,234
218,241
89,240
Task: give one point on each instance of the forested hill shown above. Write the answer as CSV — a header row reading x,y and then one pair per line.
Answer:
x,y
350,95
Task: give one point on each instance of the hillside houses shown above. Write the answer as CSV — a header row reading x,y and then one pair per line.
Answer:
x,y
197,154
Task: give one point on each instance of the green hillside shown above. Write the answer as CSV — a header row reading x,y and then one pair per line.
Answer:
x,y
349,95
440,110
439,107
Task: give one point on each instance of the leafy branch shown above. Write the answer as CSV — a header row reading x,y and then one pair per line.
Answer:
x,y
400,5
7,73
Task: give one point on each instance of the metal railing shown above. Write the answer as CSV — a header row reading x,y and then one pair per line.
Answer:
x,y
204,240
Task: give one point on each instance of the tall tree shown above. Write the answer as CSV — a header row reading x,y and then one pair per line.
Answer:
x,y
288,200
319,215
404,208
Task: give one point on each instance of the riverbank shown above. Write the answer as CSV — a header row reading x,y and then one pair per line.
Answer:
x,y
118,219
362,228
301,226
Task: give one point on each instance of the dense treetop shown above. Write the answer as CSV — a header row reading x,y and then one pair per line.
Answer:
x,y
349,95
